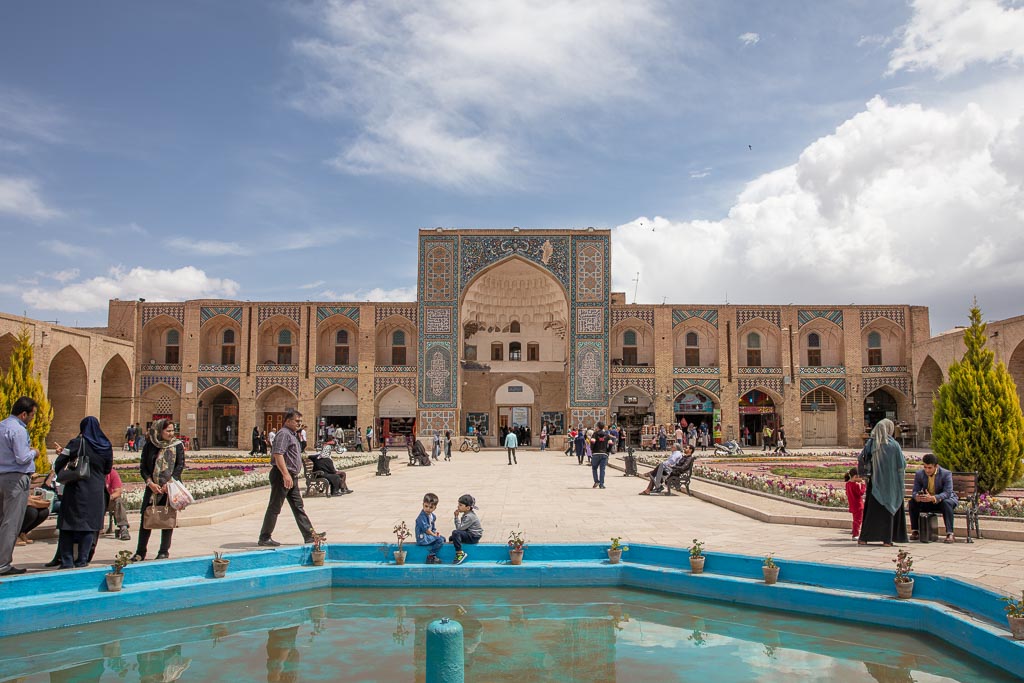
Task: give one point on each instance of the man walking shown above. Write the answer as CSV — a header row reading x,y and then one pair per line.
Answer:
x,y
17,463
284,483
599,454
511,442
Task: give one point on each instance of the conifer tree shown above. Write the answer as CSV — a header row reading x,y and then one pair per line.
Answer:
x,y
977,425
20,381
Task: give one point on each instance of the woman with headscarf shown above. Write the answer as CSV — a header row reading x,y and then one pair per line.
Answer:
x,y
883,462
163,459
82,503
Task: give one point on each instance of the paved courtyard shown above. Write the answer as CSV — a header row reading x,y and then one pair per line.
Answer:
x,y
551,499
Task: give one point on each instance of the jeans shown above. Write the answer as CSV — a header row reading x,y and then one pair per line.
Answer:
x,y
598,462
434,546
460,537
278,495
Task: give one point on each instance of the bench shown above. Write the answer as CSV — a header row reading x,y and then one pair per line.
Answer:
x,y
678,477
316,483
965,484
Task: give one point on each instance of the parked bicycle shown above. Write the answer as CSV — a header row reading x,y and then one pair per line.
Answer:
x,y
468,443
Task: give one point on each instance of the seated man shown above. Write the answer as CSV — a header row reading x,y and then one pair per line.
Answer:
x,y
418,456
933,492
325,465
657,475
115,505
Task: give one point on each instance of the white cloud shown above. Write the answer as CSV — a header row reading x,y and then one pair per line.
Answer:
x,y
313,285
207,247
452,93
948,35
62,248
900,203
375,294
20,197
64,275
702,173
750,38
23,115
156,285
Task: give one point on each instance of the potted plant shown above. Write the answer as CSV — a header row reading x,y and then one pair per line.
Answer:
x,y
770,569
318,549
115,579
1015,615
516,546
220,565
615,552
401,533
904,584
697,557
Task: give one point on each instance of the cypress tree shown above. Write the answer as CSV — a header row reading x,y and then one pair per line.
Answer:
x,y
977,425
20,381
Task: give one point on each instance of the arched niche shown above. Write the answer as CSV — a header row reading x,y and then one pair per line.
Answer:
x,y
271,406
161,400
882,343
67,390
220,341
7,344
396,341
278,342
337,406
218,418
632,343
1016,369
759,407
823,414
337,341
396,416
115,398
695,344
821,344
759,344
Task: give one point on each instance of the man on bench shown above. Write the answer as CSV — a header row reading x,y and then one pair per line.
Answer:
x,y
933,492
657,476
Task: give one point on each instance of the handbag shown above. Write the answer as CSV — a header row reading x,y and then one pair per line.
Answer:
x,y
160,517
77,467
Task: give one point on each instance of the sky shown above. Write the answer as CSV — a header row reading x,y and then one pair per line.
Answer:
x,y
818,153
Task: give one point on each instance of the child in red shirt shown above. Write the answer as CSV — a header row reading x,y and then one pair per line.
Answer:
x,y
855,488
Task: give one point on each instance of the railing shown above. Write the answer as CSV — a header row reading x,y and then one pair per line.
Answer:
x,y
822,370
697,370
335,368
867,369
276,369
752,370
161,367
219,367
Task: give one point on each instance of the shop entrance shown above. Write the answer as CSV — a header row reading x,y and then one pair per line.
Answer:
x,y
757,410
696,408
338,409
879,404
396,417
631,410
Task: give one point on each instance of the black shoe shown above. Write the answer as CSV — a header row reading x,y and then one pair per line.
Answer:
x,y
52,563
14,571
162,556
269,543
124,535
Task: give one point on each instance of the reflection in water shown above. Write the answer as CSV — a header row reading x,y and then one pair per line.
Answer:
x,y
582,635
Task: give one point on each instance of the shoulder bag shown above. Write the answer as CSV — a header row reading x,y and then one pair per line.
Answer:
x,y
77,467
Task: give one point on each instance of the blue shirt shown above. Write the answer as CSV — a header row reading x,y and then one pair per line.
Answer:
x,y
511,441
16,452
424,523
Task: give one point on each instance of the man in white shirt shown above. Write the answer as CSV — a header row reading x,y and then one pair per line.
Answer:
x,y
657,476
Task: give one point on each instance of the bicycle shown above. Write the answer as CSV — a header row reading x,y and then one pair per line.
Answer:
x,y
467,444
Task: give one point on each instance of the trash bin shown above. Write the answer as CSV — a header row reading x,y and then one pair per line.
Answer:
x,y
630,459
383,464
195,444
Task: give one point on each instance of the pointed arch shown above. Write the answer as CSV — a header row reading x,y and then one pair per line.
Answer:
x,y
115,397
67,390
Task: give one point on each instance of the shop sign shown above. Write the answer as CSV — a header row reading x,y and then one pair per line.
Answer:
x,y
757,410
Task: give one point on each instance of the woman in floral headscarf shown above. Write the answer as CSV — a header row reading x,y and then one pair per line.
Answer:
x,y
882,460
163,458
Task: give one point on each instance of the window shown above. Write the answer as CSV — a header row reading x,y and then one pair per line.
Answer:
x,y
814,350
470,352
533,351
398,347
284,347
227,348
496,351
629,347
514,327
171,347
754,350
874,348
341,347
692,350
515,351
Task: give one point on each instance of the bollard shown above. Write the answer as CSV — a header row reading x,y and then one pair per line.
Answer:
x,y
445,656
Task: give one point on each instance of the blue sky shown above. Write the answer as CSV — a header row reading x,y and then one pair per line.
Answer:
x,y
804,152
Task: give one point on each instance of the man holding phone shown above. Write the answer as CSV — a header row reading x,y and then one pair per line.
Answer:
x,y
933,492
17,463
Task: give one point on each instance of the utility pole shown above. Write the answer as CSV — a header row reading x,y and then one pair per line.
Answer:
x,y
637,281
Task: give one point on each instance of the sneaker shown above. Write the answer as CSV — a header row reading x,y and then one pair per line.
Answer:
x,y
460,557
434,559
269,543
124,535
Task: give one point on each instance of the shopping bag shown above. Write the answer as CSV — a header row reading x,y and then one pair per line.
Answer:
x,y
178,496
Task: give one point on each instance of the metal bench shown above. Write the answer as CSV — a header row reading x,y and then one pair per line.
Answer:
x,y
316,483
965,484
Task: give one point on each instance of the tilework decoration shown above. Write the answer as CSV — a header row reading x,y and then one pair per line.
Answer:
x,y
293,313
711,386
697,370
758,370
438,374
805,316
681,315
430,421
347,382
207,313
147,381
589,371
437,319
900,384
275,369
640,313
771,315
590,272
885,369
772,383
325,312
204,382
869,314
589,320
382,383
632,370
395,368
588,417
163,405
176,311
438,271
335,368
217,367
645,384
289,383
161,367
836,384
477,252
407,311
823,370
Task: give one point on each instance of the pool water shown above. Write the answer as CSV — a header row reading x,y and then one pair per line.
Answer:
x,y
531,634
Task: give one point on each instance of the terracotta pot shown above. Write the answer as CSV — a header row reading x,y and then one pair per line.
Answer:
x,y
318,557
905,590
1016,627
400,556
697,564
220,568
114,582
515,556
614,556
771,574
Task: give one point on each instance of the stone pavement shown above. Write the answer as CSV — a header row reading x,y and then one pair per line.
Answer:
x,y
551,499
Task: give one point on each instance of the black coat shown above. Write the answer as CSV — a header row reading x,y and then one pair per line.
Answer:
x,y
83,503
